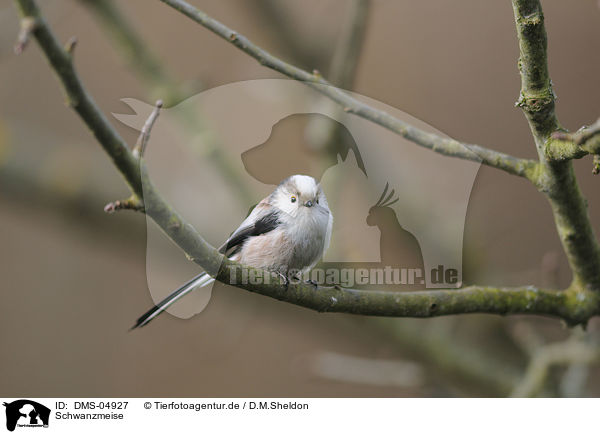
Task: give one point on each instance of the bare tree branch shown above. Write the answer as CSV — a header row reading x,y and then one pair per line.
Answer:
x,y
444,146
142,141
133,203
566,146
582,136
567,305
556,179
323,134
537,97
449,356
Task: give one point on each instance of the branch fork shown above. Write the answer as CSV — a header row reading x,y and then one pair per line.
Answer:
x,y
576,305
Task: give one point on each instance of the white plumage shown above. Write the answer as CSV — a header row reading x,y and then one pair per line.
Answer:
x,y
287,232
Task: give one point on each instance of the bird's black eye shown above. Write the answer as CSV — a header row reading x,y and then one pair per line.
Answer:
x,y
293,199
317,200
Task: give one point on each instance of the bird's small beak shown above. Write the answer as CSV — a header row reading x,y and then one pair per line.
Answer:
x,y
308,203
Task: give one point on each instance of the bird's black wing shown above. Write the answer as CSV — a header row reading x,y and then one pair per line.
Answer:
x,y
250,228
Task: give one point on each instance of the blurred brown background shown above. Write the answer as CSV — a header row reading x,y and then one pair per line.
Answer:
x,y
73,278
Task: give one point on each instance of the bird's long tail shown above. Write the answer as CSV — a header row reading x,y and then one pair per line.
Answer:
x,y
199,281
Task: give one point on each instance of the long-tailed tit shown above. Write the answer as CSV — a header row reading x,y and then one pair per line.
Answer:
x,y
288,230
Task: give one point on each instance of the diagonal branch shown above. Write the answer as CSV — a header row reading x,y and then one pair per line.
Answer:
x,y
567,305
441,145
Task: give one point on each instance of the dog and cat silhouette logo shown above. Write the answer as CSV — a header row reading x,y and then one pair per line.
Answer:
x,y
26,413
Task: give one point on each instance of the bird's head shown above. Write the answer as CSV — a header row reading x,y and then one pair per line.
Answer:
x,y
300,194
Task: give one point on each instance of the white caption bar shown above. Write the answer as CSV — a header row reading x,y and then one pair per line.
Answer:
x,y
296,415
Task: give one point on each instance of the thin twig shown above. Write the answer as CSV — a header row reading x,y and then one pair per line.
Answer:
x,y
575,145
133,203
444,146
581,136
568,305
142,141
584,137
70,45
28,25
